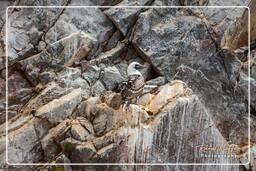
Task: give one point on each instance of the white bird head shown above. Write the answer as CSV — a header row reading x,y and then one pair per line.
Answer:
x,y
133,68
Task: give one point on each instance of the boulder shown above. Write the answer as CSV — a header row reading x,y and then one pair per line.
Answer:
x,y
78,132
19,92
89,21
159,42
58,109
111,78
125,18
50,142
28,25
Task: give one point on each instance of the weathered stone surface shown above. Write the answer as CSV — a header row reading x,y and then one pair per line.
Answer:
x,y
236,35
157,81
103,118
117,36
71,60
91,74
90,21
19,92
86,124
166,48
124,18
23,144
111,77
114,100
63,52
219,102
26,27
87,150
61,108
46,77
50,142
80,133
98,88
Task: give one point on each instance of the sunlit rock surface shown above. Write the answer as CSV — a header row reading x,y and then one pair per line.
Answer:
x,y
64,70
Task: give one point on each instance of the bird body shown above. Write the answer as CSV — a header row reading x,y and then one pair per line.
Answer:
x,y
133,87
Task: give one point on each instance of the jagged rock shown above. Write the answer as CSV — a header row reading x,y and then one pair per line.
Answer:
x,y
111,77
165,48
51,92
194,2
56,55
86,124
83,153
71,78
23,143
227,109
61,108
88,20
236,35
98,88
91,74
124,18
32,73
19,92
80,133
28,26
50,142
69,74
244,80
103,118
157,81
112,42
114,100
46,77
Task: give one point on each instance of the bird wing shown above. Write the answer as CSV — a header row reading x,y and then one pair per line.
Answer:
x,y
132,87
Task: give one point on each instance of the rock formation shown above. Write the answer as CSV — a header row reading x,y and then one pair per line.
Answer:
x,y
65,65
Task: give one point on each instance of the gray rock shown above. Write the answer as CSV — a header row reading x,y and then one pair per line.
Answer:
x,y
83,153
51,92
19,92
114,100
91,73
195,2
98,88
71,78
102,121
112,42
227,109
58,54
111,78
27,26
46,77
157,81
165,48
58,109
50,142
32,73
90,21
124,18
86,124
24,145
80,133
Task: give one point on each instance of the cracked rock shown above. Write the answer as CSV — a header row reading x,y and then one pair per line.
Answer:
x,y
61,108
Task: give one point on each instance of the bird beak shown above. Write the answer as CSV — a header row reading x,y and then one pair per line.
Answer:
x,y
143,66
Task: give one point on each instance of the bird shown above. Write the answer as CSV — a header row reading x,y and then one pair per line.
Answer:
x,y
134,85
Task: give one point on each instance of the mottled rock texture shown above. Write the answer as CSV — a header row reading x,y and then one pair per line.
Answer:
x,y
65,65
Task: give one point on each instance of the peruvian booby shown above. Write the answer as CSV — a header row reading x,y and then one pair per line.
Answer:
x,y
133,87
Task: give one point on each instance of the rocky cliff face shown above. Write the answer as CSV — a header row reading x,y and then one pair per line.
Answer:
x,y
65,64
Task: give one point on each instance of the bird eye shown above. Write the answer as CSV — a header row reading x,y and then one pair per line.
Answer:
x,y
137,66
